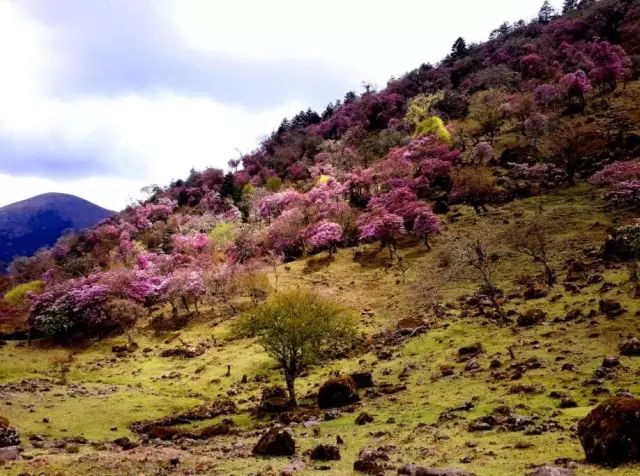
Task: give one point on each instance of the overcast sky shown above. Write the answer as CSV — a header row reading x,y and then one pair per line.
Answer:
x,y
100,98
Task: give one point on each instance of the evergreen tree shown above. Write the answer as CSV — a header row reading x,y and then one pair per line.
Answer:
x,y
569,5
228,187
546,12
459,49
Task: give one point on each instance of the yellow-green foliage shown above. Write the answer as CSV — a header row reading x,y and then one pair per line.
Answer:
x,y
223,234
433,125
274,183
256,285
17,296
421,107
323,179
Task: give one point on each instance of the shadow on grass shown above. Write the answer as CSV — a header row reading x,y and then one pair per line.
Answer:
x,y
316,264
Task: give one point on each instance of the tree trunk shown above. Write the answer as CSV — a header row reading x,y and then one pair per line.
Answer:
x,y
291,389
550,276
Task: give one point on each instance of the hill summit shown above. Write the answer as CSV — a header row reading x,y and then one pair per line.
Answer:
x,y
39,221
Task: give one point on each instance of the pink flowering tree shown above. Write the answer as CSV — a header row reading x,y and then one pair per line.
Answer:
x,y
426,225
382,226
536,126
574,87
325,235
623,178
187,286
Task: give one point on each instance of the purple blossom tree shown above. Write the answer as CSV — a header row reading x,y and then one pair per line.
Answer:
x,y
325,235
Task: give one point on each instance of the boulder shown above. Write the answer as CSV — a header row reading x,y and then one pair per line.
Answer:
x,y
274,400
325,453
363,419
610,362
535,291
8,434
472,349
531,317
338,392
9,453
362,379
630,347
275,442
371,461
610,433
623,244
610,308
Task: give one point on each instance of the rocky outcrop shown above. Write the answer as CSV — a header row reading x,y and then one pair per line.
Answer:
x,y
338,392
275,442
610,434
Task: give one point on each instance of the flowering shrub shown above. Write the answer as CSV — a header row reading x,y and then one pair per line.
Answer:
x,y
381,226
325,235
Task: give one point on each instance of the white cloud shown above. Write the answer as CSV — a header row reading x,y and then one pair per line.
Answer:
x,y
139,137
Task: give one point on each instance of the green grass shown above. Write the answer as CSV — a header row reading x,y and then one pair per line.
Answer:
x,y
121,391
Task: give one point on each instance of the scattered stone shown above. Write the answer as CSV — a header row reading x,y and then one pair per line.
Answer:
x,y
447,370
325,453
630,347
362,379
495,364
531,317
535,291
371,461
413,470
125,443
363,419
9,453
610,362
8,434
472,349
294,467
186,352
610,433
275,442
274,400
610,308
568,403
549,470
206,411
338,392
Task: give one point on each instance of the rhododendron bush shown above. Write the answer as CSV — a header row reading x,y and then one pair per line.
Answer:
x,y
367,169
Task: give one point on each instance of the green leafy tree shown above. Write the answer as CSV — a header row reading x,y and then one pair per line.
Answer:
x,y
18,295
485,109
421,107
433,125
297,327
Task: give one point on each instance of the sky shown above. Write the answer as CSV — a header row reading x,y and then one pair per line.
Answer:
x,y
101,98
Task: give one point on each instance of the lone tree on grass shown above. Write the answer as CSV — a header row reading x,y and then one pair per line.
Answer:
x,y
533,239
296,328
472,259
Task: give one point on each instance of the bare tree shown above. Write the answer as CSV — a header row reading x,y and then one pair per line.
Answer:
x,y
532,239
471,255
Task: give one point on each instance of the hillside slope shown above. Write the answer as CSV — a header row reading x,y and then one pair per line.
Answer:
x,y
425,421
478,217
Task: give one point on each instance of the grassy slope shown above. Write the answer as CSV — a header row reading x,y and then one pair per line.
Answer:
x,y
116,392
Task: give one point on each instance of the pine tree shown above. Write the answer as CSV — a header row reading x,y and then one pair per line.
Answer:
x,y
459,49
546,12
569,5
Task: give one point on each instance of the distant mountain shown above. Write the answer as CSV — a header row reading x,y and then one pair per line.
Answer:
x,y
39,221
